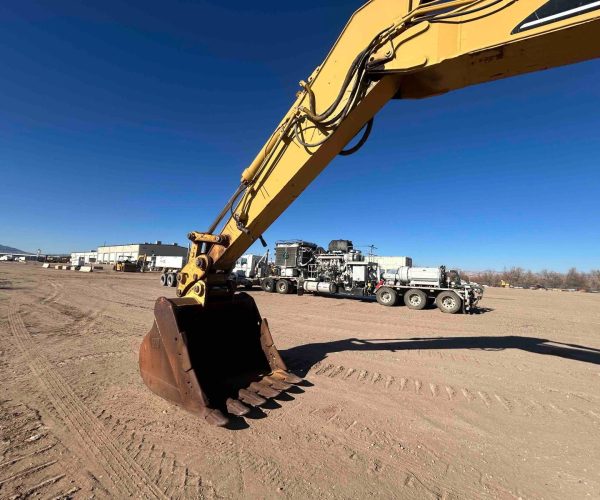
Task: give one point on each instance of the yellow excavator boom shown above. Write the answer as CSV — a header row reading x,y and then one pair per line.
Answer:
x,y
209,350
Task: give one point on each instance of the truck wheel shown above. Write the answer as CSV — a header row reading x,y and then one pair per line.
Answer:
x,y
415,299
448,302
268,285
171,281
386,296
163,279
283,286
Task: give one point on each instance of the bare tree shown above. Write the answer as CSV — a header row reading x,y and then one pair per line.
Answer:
x,y
593,279
574,279
518,276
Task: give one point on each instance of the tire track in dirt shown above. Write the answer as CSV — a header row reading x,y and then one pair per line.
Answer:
x,y
85,324
94,356
370,447
84,320
128,296
126,476
56,292
35,461
240,459
174,478
421,388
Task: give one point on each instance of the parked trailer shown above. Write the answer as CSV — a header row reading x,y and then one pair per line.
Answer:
x,y
305,267
170,266
418,286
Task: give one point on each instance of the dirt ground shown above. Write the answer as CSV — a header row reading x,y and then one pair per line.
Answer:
x,y
401,403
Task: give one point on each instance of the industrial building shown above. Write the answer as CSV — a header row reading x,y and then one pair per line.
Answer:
x,y
109,254
131,251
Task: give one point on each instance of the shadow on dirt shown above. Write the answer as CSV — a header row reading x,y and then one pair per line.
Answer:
x,y
6,285
481,310
308,355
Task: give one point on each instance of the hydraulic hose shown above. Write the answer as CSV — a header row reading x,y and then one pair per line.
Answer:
x,y
368,127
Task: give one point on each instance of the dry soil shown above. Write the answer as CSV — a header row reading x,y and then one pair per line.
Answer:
x,y
400,403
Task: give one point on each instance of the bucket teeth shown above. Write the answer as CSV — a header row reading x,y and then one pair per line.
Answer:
x,y
279,385
251,398
264,390
236,407
288,377
215,417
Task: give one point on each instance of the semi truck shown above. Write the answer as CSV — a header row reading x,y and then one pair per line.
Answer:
x,y
303,266
250,269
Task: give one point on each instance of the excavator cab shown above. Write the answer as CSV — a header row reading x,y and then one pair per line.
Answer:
x,y
213,359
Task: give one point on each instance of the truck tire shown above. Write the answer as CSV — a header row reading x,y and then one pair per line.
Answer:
x,y
163,279
386,296
415,299
171,280
268,285
448,302
283,286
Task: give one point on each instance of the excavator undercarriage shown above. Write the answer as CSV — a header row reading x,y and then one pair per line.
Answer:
x,y
209,350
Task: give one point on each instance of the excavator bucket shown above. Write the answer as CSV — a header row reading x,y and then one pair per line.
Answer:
x,y
213,360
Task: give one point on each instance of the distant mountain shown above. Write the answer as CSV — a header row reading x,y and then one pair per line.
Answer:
x,y
5,249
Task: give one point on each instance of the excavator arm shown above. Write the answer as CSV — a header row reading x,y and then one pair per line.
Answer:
x,y
209,350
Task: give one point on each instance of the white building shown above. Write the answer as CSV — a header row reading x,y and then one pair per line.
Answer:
x,y
109,254
80,258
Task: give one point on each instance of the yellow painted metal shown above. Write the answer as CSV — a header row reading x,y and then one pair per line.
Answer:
x,y
425,50
197,237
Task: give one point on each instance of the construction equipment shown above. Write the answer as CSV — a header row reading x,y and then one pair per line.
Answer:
x,y
125,266
209,350
306,267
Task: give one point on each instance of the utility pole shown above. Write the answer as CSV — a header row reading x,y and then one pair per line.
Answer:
x,y
371,248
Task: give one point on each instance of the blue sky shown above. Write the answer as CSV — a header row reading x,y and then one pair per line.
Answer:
x,y
132,122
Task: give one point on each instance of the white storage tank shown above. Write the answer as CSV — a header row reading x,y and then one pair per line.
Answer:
x,y
419,275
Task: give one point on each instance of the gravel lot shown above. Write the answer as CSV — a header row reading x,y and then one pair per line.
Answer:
x,y
401,403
